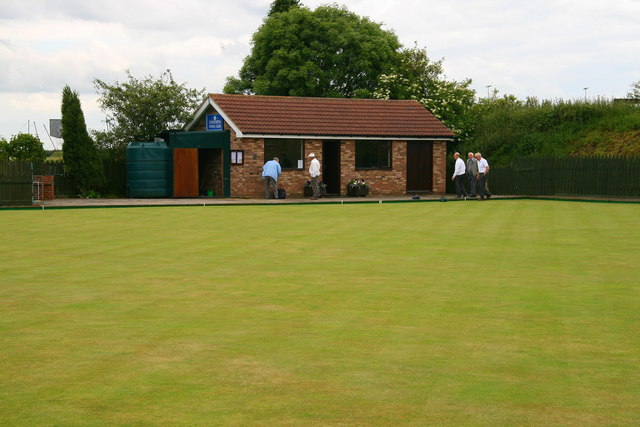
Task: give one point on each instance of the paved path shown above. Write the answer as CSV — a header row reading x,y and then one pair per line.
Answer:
x,y
231,201
204,201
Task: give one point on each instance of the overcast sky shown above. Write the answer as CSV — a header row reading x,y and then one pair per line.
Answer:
x,y
546,48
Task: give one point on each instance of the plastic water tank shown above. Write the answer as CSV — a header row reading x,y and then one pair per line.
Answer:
x,y
148,169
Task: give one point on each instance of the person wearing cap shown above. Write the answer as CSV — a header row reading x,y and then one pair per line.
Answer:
x,y
270,173
314,172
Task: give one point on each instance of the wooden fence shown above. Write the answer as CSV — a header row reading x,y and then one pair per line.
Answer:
x,y
573,176
16,181
115,175
576,176
16,178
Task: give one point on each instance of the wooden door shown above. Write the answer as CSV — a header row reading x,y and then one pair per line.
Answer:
x,y
185,172
419,167
331,166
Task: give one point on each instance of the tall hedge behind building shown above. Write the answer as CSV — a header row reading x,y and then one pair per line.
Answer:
x,y
507,129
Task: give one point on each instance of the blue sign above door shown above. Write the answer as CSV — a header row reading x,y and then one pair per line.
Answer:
x,y
215,122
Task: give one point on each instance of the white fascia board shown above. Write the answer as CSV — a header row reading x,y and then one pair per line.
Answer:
x,y
203,108
350,137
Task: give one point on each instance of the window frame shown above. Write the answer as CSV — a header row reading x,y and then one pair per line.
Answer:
x,y
271,156
378,142
236,152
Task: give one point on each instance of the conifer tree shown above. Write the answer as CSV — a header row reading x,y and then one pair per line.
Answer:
x,y
79,151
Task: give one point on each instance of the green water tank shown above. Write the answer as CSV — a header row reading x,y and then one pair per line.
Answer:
x,y
148,169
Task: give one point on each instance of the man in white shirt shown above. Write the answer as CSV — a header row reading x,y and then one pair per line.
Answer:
x,y
483,171
458,174
314,172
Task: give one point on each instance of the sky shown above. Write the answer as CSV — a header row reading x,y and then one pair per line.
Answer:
x,y
548,49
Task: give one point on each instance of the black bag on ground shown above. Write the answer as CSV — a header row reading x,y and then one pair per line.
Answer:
x,y
282,193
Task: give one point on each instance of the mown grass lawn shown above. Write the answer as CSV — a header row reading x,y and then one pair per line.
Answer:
x,y
495,313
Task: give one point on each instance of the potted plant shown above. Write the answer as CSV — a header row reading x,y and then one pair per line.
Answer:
x,y
308,191
357,188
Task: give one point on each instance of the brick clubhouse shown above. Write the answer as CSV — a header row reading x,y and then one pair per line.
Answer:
x,y
398,147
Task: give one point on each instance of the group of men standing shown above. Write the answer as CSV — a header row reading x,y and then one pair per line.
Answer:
x,y
272,170
476,171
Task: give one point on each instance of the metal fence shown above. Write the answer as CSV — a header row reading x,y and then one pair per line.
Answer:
x,y
572,176
16,179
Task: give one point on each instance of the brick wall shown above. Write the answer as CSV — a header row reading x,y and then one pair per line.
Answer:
x,y
246,179
439,167
381,181
43,188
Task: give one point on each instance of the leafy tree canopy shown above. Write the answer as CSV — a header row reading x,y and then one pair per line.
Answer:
x,y
281,6
139,109
329,52
22,146
415,76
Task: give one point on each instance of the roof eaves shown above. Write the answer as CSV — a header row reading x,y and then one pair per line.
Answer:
x,y
351,137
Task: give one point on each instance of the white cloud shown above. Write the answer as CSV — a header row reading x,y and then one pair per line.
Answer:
x,y
547,48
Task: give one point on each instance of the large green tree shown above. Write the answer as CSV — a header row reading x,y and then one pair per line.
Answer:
x,y
22,146
80,153
416,76
328,52
139,109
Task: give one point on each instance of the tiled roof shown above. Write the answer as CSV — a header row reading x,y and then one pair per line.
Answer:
x,y
284,115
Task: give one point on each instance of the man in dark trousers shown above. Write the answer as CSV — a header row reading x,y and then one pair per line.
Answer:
x,y
472,171
483,171
314,172
458,175
270,173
